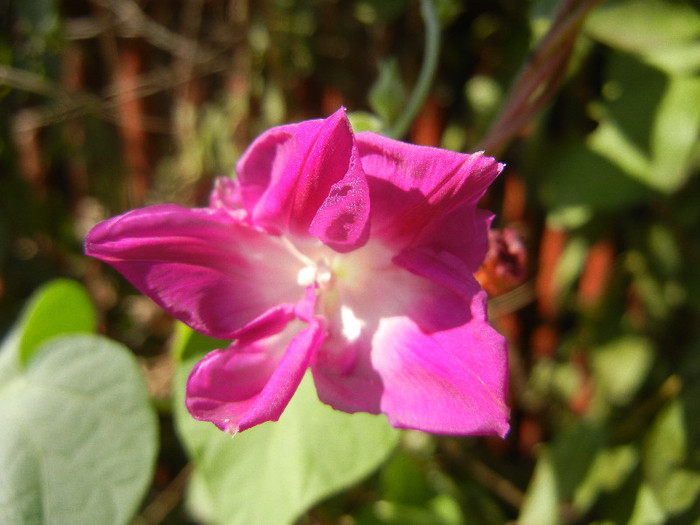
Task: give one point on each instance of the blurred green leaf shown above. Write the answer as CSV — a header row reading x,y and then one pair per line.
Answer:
x,y
448,10
665,445
651,133
609,471
579,182
365,121
312,452
387,96
570,264
653,29
621,366
679,490
78,440
573,453
541,505
676,133
484,96
647,509
564,470
610,141
666,454
664,249
441,510
59,307
403,480
626,115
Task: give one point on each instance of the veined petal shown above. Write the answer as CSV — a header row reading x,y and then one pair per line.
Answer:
x,y
343,371
447,382
418,324
243,386
306,176
419,191
201,265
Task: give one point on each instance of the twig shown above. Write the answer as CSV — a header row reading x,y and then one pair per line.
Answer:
x,y
133,20
163,504
31,82
74,105
512,301
488,477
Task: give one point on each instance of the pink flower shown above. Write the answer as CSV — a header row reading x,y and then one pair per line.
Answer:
x,y
351,255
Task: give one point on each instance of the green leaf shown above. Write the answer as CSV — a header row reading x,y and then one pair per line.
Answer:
x,y
78,439
387,95
272,473
59,307
541,505
404,481
647,509
665,446
626,116
570,264
666,453
610,470
441,510
365,121
679,490
675,133
579,182
621,366
379,11
561,469
644,137
654,29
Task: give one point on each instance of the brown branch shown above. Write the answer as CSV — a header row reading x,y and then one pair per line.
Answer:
x,y
133,22
32,83
164,503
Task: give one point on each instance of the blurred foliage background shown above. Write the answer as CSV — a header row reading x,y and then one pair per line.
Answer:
x,y
107,105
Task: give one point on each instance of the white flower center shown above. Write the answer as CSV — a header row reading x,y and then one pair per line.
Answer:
x,y
337,278
318,272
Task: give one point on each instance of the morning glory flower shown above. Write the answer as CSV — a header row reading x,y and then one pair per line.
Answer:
x,y
352,255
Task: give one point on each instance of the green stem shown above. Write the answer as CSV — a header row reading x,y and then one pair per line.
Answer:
x,y
427,72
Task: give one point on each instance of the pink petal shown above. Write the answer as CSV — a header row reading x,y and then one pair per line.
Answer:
x,y
342,221
344,375
426,195
244,386
226,196
463,233
201,265
452,380
423,328
305,176
448,382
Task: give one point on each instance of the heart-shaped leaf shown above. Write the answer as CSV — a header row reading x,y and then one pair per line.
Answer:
x,y
274,472
78,437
